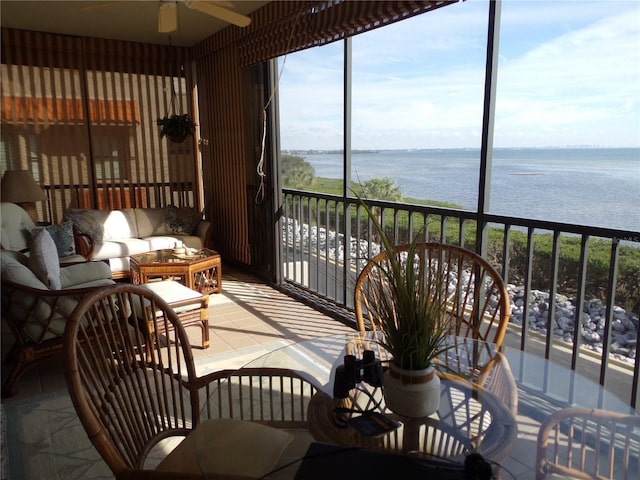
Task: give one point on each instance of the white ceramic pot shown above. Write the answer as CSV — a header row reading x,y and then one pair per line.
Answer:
x,y
411,393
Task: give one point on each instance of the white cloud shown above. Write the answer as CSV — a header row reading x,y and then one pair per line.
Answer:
x,y
569,74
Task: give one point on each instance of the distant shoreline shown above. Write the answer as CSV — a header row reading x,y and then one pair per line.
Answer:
x,y
320,151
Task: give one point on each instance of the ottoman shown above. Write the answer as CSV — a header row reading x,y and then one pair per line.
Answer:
x,y
191,307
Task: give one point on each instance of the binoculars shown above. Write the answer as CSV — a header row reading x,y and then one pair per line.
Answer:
x,y
354,370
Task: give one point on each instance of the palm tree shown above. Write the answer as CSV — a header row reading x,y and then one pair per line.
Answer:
x,y
296,171
383,188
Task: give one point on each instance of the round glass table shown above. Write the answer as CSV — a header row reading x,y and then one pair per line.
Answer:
x,y
295,386
475,412
484,393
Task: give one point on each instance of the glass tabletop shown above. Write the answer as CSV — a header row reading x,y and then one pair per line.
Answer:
x,y
298,380
169,256
485,392
317,359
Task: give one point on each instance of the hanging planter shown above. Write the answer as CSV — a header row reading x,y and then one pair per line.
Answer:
x,y
176,127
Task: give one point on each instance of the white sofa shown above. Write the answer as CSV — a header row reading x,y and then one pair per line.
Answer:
x,y
117,234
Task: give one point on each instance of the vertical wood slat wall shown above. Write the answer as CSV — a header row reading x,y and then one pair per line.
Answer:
x,y
223,156
51,85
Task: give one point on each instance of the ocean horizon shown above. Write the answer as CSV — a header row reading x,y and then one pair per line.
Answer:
x,y
596,187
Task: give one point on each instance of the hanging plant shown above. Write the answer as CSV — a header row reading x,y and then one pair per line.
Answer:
x,y
176,127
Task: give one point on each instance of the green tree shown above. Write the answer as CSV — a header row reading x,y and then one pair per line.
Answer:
x,y
296,171
383,188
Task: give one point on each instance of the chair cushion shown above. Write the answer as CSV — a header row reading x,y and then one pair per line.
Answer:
x,y
63,238
15,267
43,259
171,291
228,447
84,274
16,227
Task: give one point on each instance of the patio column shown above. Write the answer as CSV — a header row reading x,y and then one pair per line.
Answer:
x,y
488,119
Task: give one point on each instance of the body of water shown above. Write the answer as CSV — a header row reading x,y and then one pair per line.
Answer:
x,y
584,186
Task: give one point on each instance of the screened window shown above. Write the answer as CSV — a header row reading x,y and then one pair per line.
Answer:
x,y
415,88
311,109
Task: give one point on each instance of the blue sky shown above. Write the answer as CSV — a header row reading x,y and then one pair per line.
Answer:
x,y
569,74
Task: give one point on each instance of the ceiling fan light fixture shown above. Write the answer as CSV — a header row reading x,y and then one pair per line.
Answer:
x,y
168,17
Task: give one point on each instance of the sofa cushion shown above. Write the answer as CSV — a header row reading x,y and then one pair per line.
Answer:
x,y
43,259
178,221
123,247
89,222
119,224
62,236
147,220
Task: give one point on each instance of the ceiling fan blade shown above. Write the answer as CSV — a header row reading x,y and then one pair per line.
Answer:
x,y
168,17
219,12
96,5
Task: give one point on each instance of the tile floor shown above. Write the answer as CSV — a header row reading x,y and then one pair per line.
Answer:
x,y
250,313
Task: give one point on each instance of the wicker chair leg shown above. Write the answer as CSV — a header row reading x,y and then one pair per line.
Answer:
x,y
9,388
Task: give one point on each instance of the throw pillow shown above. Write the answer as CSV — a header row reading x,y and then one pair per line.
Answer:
x,y
86,223
43,259
178,221
62,236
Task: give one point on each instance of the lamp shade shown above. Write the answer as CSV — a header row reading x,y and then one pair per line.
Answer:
x,y
18,186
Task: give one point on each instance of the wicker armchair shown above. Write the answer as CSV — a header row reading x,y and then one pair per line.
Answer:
x,y
478,307
478,302
135,397
37,315
587,443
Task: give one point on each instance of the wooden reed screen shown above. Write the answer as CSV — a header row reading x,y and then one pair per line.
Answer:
x,y
287,26
223,154
81,113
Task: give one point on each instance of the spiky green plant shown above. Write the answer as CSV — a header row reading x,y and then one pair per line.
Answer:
x,y
410,293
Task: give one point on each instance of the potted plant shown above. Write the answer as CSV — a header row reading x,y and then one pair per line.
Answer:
x,y
176,127
410,309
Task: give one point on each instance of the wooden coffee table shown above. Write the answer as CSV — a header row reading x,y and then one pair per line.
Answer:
x,y
201,272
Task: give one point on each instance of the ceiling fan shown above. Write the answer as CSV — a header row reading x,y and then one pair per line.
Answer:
x,y
168,12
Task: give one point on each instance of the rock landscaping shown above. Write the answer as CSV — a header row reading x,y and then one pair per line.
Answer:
x,y
624,329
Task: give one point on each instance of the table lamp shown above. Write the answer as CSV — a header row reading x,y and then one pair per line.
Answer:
x,y
19,187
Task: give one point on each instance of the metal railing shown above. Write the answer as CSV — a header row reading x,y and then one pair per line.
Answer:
x,y
327,239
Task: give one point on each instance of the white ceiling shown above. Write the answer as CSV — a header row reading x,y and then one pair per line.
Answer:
x,y
133,20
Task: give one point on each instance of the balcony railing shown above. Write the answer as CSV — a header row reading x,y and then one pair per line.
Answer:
x,y
592,325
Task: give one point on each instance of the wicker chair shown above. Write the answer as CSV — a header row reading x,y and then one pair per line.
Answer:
x,y
478,302
134,397
478,308
589,444
37,315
